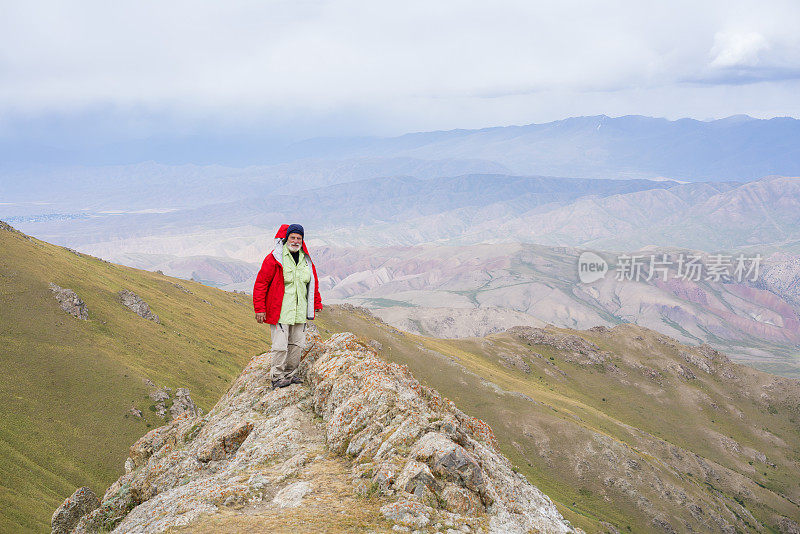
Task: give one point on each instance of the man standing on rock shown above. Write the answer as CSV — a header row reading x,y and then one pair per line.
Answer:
x,y
285,296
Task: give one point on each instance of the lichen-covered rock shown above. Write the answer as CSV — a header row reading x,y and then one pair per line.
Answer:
x,y
418,444
415,478
151,443
408,512
70,302
116,504
132,301
460,500
80,503
226,444
451,461
428,461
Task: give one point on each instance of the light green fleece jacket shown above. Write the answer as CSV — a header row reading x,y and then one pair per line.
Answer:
x,y
296,277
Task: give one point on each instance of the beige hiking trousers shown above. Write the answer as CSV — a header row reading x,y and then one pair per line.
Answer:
x,y
288,342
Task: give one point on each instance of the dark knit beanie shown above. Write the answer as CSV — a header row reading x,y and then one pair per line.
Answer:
x,y
295,229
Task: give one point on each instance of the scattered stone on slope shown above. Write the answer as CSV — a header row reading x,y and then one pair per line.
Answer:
x,y
70,512
70,302
182,403
132,301
575,348
698,361
160,396
788,526
260,448
514,361
8,228
685,372
181,287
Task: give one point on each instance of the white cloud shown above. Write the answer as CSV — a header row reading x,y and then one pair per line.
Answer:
x,y
416,64
738,49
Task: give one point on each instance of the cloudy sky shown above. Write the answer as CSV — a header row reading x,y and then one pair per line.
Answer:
x,y
94,72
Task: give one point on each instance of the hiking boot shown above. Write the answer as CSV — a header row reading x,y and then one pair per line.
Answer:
x,y
282,383
297,380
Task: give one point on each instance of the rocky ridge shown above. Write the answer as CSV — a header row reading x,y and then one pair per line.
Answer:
x,y
429,466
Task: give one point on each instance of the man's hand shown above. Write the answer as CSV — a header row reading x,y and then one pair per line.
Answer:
x,y
261,317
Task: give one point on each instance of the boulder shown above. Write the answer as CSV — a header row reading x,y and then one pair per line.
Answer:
x,y
70,302
227,444
292,495
415,478
82,502
160,395
183,405
408,512
132,301
450,460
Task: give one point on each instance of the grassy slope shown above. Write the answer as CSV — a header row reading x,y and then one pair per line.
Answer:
x,y
560,441
68,383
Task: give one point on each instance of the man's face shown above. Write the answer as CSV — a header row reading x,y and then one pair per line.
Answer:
x,y
294,242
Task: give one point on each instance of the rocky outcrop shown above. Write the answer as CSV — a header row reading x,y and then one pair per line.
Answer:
x,y
132,301
70,302
182,403
160,397
788,526
70,512
411,443
177,406
575,348
261,450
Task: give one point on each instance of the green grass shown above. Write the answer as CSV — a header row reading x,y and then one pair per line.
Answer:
x,y
68,384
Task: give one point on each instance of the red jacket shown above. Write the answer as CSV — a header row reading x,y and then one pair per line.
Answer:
x,y
268,289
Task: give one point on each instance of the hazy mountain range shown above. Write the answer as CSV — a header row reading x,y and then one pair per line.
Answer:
x,y
734,148
738,147
475,254
607,214
492,286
